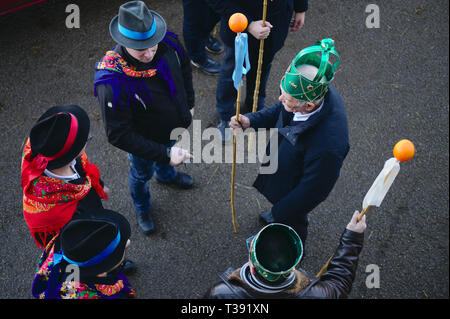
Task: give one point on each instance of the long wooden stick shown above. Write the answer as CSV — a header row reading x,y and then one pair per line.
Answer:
x,y
324,268
260,58
233,167
258,73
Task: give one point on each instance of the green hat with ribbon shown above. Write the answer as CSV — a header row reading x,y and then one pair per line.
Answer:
x,y
275,251
318,55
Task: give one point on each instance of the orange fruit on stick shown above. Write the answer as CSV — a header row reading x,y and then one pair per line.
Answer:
x,y
238,22
404,150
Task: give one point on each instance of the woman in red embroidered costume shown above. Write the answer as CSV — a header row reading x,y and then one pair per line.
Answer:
x,y
57,178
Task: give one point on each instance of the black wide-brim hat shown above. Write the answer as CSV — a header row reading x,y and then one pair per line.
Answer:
x,y
87,236
137,27
50,133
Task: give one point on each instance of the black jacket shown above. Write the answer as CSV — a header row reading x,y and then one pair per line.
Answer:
x,y
143,128
279,14
310,156
335,283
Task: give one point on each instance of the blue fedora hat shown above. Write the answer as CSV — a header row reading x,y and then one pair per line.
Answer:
x,y
137,27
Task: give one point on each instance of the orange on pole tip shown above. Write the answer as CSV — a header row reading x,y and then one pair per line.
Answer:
x,y
404,150
238,22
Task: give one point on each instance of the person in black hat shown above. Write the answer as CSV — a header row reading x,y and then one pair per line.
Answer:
x,y
144,87
274,254
57,178
84,261
58,181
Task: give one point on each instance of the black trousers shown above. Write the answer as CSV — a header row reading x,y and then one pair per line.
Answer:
x,y
198,22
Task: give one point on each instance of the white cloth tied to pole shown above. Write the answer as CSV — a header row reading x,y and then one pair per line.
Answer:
x,y
382,183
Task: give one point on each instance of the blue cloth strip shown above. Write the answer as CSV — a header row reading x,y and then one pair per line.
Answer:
x,y
96,259
138,35
241,56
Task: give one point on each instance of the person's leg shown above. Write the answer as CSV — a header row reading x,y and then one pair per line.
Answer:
x,y
300,224
166,174
141,171
301,227
213,45
252,74
250,89
226,94
196,31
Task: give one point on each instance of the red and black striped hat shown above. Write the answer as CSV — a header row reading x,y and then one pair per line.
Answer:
x,y
60,134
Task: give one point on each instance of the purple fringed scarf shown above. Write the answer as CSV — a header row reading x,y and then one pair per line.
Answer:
x,y
122,77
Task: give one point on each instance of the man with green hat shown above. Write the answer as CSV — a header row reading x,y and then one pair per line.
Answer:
x,y
312,137
271,271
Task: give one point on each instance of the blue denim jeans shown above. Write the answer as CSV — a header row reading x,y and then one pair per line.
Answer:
x,y
141,171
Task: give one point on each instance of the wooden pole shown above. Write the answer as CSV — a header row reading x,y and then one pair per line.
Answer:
x,y
258,73
363,213
233,167
324,268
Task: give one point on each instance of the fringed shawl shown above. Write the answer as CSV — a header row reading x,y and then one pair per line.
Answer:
x,y
49,203
71,289
123,77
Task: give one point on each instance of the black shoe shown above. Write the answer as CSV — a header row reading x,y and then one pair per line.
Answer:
x,y
266,217
209,66
145,222
128,267
183,181
214,46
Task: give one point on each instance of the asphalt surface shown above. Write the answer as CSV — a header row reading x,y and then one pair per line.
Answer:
x,y
394,81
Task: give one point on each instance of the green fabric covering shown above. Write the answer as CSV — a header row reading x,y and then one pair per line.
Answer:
x,y
305,89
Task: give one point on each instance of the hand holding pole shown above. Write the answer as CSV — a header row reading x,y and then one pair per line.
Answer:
x,y
403,151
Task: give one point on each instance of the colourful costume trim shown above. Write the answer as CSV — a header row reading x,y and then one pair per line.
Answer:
x,y
124,78
49,203
112,61
74,289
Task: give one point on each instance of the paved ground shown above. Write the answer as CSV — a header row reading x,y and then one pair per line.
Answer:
x,y
394,81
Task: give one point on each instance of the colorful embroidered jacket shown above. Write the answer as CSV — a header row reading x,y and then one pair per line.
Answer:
x,y
115,286
49,203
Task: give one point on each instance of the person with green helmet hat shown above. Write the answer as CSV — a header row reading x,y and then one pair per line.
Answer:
x,y
312,137
275,252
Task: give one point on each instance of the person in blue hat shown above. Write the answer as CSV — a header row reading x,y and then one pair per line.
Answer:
x,y
144,87
85,260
